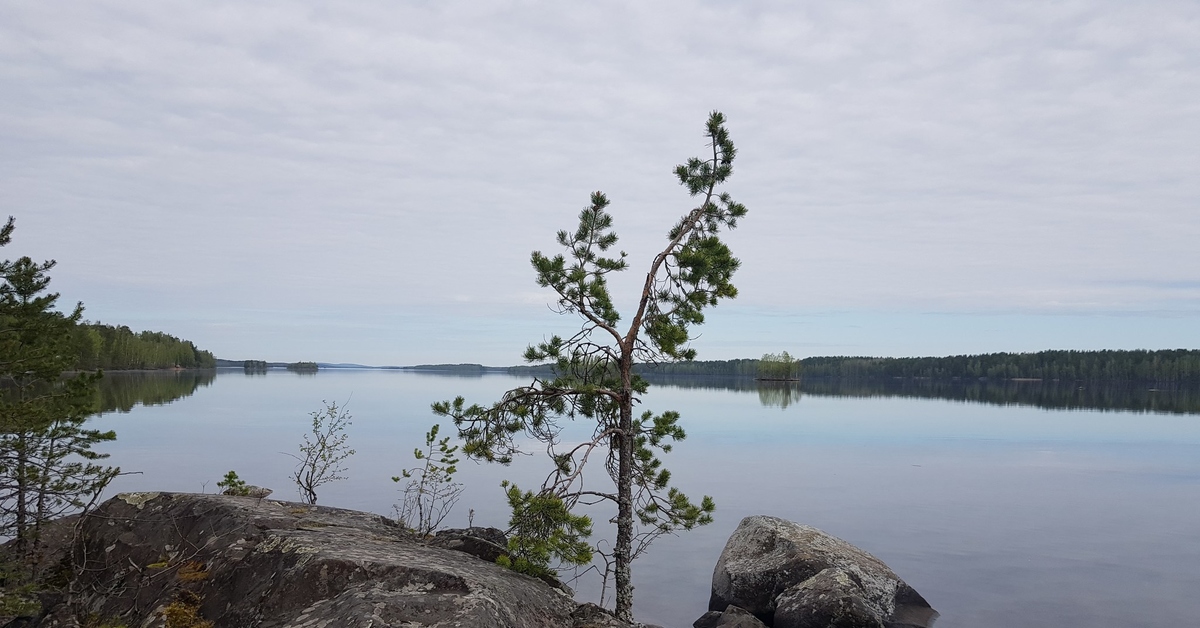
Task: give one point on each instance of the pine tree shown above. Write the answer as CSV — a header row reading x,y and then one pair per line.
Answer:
x,y
47,465
593,376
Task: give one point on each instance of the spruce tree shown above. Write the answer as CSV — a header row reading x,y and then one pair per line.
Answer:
x,y
593,375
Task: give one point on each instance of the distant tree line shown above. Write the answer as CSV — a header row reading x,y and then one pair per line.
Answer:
x,y
1177,366
303,367
743,367
1167,367
466,368
99,346
696,368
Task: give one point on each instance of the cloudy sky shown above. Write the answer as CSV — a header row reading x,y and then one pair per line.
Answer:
x,y
364,181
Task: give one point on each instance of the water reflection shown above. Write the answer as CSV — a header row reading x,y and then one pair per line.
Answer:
x,y
778,394
1058,395
123,391
999,516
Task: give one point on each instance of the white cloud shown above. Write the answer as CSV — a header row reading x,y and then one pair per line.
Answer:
x,y
932,156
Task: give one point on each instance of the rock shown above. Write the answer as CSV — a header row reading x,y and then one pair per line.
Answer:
x,y
491,535
249,490
732,617
258,491
709,619
589,615
259,563
830,599
486,543
768,556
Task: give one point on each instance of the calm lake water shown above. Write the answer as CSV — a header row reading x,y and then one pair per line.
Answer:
x,y
1000,515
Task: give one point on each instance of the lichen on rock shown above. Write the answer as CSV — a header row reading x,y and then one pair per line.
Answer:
x,y
257,562
137,500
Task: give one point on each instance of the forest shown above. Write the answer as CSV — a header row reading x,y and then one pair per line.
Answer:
x,y
742,367
1173,367
302,367
100,346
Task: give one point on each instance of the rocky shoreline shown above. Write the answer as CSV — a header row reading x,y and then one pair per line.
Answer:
x,y
179,560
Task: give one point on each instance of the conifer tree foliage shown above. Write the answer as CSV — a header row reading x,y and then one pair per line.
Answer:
x,y
100,346
47,465
593,376
542,531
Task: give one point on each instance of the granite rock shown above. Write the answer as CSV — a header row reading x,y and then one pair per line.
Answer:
x,y
260,563
767,557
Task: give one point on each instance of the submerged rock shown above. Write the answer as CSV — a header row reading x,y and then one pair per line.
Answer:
x,y
795,576
243,562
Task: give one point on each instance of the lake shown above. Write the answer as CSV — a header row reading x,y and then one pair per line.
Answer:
x,y
1005,505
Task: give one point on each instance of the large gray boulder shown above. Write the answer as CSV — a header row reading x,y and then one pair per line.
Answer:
x,y
258,563
831,599
795,576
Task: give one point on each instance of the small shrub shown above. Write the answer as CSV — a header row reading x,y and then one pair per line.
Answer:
x,y
323,451
18,596
192,571
431,492
19,602
233,485
185,613
94,620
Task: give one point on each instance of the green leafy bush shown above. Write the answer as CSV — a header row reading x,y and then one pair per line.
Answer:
x,y
323,451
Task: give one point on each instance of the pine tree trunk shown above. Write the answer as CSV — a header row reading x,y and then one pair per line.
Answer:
x,y
623,551
22,509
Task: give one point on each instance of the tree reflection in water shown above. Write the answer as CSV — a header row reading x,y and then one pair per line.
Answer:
x,y
1061,395
122,391
778,394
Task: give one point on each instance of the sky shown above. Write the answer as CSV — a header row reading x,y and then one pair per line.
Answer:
x,y
364,181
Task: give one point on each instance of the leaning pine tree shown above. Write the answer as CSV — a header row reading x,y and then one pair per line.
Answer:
x,y
593,375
